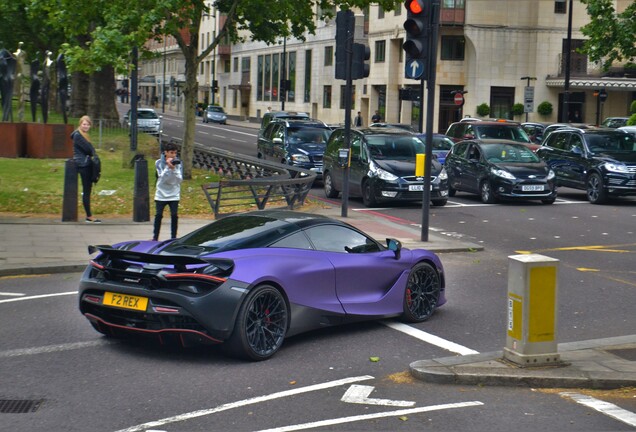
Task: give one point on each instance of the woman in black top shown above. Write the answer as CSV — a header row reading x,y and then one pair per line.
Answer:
x,y
83,151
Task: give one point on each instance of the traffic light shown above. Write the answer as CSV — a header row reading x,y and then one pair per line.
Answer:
x,y
359,67
418,25
215,86
344,31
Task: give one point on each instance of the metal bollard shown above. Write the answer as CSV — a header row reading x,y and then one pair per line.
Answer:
x,y
532,311
141,200
69,200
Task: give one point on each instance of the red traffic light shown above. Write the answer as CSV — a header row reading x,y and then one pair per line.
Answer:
x,y
415,6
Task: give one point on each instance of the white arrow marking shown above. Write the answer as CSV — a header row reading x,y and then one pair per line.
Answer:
x,y
414,68
359,394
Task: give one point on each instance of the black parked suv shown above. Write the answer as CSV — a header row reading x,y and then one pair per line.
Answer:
x,y
382,167
294,142
601,162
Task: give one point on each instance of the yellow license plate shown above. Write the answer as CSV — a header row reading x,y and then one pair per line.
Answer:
x,y
125,301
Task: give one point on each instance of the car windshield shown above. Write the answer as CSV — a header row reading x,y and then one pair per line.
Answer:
x,y
308,135
503,132
395,147
146,115
215,109
611,142
506,153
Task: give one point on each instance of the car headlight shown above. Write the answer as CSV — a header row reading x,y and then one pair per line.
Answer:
x,y
550,175
443,175
616,167
382,174
502,173
299,158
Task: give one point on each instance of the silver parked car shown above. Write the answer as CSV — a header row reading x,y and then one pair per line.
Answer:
x,y
214,114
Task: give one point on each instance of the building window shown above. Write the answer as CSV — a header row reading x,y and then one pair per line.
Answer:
x,y
397,11
291,76
560,7
329,55
453,4
326,97
452,48
236,64
307,97
380,12
380,51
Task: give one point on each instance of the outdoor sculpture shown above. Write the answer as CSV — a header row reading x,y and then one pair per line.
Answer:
x,y
7,74
34,93
46,86
62,80
20,56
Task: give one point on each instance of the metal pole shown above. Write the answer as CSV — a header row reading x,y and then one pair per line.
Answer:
x,y
568,52
69,200
163,80
430,109
134,94
349,50
214,60
283,92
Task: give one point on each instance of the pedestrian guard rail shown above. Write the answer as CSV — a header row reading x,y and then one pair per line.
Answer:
x,y
247,181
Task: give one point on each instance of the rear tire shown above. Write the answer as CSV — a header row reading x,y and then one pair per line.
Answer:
x,y
260,326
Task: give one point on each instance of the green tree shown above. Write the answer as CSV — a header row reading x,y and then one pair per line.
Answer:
x,y
131,23
611,34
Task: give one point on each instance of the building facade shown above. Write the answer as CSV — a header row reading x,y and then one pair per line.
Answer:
x,y
490,50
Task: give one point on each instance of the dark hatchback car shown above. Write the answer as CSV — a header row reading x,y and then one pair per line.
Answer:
x,y
499,169
602,162
382,167
490,130
300,143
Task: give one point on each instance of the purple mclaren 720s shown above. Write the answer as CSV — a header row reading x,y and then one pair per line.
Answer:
x,y
250,280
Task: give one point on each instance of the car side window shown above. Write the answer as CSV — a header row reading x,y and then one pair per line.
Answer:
x,y
278,132
459,149
356,145
268,131
331,238
575,142
474,153
558,141
295,241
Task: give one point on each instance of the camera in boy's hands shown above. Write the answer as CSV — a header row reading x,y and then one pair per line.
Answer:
x,y
176,161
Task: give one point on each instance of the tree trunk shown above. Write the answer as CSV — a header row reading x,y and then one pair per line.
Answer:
x,y
190,98
79,94
101,95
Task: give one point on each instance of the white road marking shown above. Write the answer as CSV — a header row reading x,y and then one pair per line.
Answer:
x,y
244,402
53,348
429,338
359,394
38,297
609,409
351,419
8,294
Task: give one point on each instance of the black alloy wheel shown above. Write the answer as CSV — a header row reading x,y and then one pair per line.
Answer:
x,y
422,293
261,324
596,193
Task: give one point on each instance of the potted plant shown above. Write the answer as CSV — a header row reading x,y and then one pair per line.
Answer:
x,y
483,110
517,109
545,108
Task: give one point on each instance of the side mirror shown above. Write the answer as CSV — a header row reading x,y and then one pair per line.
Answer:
x,y
395,246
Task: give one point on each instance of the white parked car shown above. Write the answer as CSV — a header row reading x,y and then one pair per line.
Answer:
x,y
148,121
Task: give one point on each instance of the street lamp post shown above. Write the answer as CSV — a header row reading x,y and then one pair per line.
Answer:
x,y
283,82
163,80
214,61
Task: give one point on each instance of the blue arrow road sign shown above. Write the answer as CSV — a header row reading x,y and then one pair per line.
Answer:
x,y
414,69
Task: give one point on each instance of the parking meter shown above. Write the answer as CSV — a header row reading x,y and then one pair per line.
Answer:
x,y
343,157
